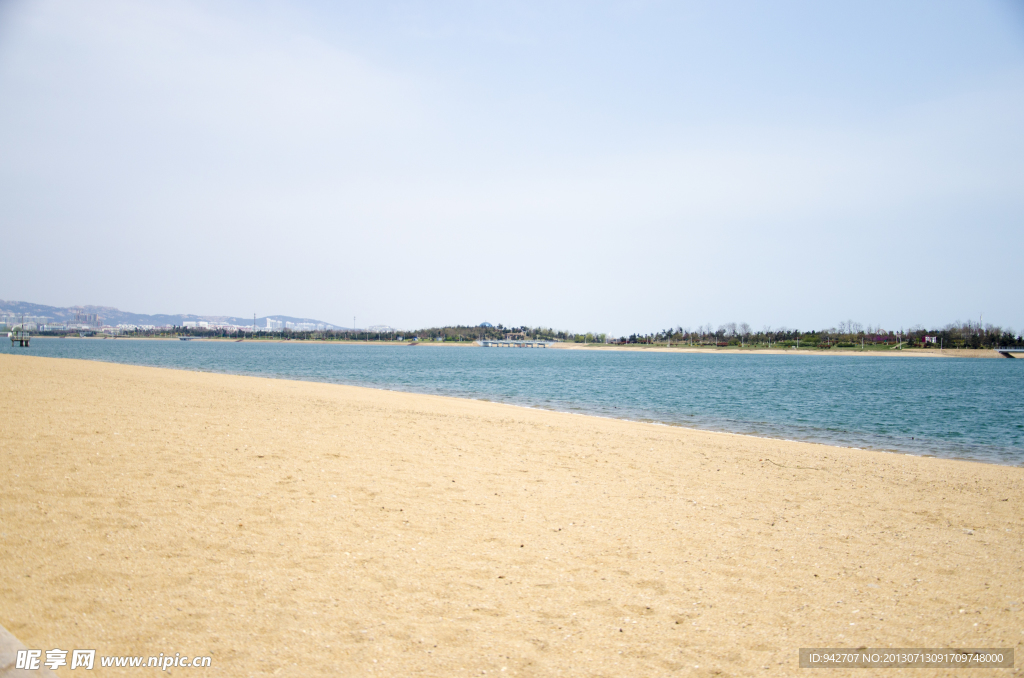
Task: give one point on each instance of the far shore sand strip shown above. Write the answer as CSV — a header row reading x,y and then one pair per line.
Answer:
x,y
891,352
298,529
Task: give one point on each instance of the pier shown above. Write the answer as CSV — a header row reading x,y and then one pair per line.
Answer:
x,y
513,340
518,343
1011,352
20,337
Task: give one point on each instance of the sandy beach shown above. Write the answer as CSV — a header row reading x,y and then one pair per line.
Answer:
x,y
300,529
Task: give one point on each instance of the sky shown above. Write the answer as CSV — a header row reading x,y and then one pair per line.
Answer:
x,y
596,166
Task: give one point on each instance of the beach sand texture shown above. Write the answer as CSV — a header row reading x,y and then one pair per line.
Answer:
x,y
303,529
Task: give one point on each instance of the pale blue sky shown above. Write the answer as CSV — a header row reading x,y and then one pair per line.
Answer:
x,y
612,167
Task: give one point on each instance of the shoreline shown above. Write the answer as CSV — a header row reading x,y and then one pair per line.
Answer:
x,y
638,419
981,353
890,353
654,422
280,525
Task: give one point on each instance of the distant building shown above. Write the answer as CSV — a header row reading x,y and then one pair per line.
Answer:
x,y
87,319
303,327
14,320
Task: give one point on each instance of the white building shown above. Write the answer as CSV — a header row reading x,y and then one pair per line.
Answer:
x,y
14,320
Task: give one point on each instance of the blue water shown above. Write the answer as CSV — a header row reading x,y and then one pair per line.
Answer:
x,y
965,408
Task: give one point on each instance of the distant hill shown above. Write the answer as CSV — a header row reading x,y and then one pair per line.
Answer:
x,y
113,316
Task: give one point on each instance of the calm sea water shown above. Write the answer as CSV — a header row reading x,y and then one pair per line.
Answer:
x,y
965,408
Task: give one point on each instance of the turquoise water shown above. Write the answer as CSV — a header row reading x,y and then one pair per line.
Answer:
x,y
964,408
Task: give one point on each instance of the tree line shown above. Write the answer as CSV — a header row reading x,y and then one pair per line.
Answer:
x,y
846,334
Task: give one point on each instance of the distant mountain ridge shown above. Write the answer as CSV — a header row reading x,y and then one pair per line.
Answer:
x,y
113,316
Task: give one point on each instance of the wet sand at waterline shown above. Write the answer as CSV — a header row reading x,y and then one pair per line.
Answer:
x,y
295,529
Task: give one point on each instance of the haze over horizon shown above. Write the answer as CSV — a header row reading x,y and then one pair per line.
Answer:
x,y
616,167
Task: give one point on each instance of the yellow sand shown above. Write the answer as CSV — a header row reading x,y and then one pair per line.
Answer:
x,y
300,529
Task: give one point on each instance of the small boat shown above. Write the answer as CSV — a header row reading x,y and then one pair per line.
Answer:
x,y
186,338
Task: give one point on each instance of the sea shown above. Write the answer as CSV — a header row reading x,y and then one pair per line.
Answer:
x,y
945,407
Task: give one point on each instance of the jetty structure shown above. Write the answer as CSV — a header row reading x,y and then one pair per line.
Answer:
x,y
20,338
513,340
